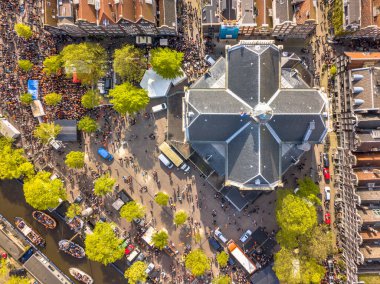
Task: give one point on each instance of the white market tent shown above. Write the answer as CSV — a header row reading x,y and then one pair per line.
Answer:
x,y
157,86
37,108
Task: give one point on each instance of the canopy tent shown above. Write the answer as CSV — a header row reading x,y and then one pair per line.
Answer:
x,y
157,86
37,108
69,130
33,88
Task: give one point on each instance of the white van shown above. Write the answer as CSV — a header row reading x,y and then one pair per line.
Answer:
x,y
327,193
209,60
185,167
165,161
159,107
133,255
220,236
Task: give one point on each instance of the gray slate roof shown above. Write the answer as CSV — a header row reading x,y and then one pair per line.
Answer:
x,y
256,124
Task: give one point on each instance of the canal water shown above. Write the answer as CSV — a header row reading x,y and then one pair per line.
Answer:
x,y
12,204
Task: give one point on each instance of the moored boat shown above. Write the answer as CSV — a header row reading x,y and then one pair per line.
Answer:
x,y
43,218
29,233
81,276
71,248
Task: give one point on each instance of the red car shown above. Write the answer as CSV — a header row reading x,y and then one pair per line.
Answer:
x,y
326,174
327,218
129,249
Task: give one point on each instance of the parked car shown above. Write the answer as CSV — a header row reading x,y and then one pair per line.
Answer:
x,y
159,107
21,272
327,193
129,249
326,175
326,162
105,154
245,236
185,167
220,236
327,218
215,244
209,60
140,257
149,269
123,195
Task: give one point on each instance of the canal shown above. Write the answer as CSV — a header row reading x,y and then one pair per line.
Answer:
x,y
12,204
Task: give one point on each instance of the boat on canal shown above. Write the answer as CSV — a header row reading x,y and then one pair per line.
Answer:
x,y
81,276
47,221
71,248
29,233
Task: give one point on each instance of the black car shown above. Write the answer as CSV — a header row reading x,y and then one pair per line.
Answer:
x,y
326,162
215,244
123,195
21,272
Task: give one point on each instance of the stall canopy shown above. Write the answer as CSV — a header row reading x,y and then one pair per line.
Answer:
x,y
69,130
33,88
37,108
157,86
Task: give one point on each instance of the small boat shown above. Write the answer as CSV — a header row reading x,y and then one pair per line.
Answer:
x,y
29,233
44,219
81,276
75,224
71,248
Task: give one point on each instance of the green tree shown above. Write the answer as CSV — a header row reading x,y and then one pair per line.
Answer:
x,y
52,64
87,60
180,217
311,271
75,160
309,190
160,239
222,279
91,99
17,280
25,65
23,31
162,198
87,124
222,258
136,272
287,266
104,185
295,216
370,278
103,245
73,210
13,163
45,131
132,210
197,262
320,245
4,270
166,62
42,193
127,98
129,63
26,98
52,99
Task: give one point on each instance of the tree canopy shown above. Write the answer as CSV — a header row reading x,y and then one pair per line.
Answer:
x,y
160,239
132,210
52,99
136,272
287,266
25,65
13,163
162,198
87,60
52,64
197,262
311,271
103,245
309,190
127,98
104,185
23,31
180,217
222,279
222,258
91,99
129,63
42,193
320,245
45,131
26,98
87,124
3,267
166,62
75,160
17,280
73,210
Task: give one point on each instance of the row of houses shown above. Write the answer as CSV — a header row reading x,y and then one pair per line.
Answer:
x,y
356,101
280,18
110,17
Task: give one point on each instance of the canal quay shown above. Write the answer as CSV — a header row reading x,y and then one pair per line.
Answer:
x,y
12,204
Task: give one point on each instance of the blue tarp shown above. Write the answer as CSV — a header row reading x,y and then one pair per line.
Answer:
x,y
33,88
227,32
